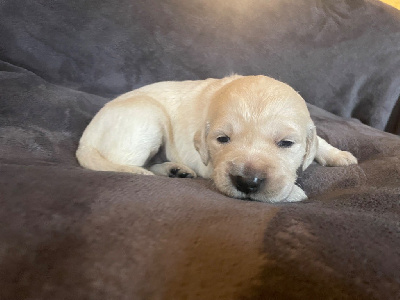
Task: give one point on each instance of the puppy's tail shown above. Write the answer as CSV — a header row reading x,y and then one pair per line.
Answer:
x,y
90,158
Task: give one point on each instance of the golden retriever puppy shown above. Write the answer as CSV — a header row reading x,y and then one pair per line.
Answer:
x,y
250,134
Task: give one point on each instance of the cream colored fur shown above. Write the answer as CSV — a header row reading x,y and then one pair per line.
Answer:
x,y
187,119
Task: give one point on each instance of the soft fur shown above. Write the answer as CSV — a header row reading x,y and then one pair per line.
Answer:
x,y
250,134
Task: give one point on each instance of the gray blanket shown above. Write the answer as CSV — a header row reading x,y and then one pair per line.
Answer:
x,y
71,233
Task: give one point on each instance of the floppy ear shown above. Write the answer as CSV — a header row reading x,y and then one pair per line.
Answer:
x,y
201,145
311,146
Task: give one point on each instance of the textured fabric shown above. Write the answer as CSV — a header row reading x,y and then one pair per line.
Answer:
x,y
342,56
71,233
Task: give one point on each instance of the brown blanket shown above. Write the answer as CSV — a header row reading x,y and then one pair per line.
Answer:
x,y
71,233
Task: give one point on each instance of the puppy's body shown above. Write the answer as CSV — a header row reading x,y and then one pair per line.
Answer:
x,y
129,130
249,133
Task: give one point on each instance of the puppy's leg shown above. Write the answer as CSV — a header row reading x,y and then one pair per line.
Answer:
x,y
123,136
172,169
90,158
328,155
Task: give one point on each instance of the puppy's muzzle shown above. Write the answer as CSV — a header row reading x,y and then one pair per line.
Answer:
x,y
247,184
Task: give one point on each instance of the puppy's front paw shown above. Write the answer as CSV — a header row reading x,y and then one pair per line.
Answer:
x,y
339,158
297,194
172,169
177,172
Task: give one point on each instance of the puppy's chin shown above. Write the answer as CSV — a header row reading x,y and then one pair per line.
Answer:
x,y
288,193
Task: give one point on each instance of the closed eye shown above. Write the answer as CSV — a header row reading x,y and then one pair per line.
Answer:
x,y
285,144
223,139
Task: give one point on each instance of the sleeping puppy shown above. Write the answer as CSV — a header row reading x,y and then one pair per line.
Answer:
x,y
250,134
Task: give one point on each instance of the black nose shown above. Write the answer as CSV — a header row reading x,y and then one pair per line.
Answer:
x,y
247,185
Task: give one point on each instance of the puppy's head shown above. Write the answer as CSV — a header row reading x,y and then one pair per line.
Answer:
x,y
257,135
